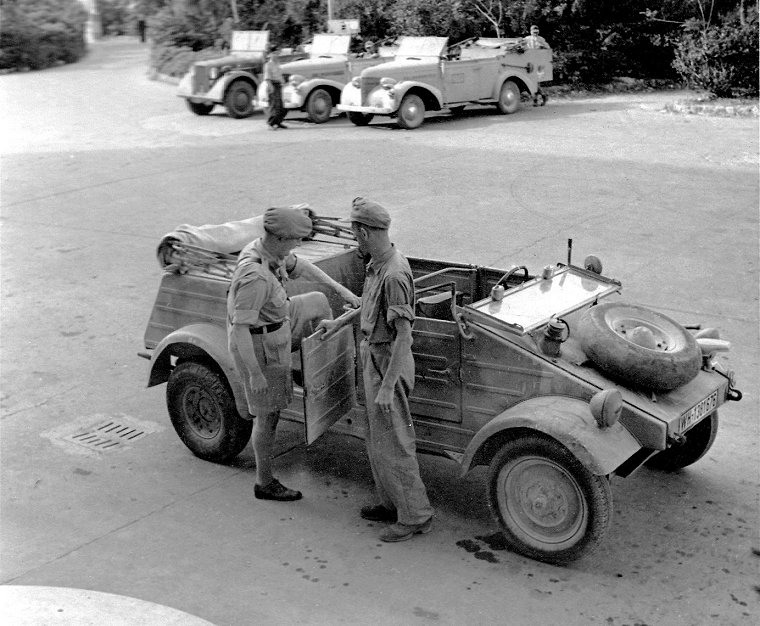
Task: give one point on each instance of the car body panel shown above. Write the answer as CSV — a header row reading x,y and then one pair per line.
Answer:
x,y
473,74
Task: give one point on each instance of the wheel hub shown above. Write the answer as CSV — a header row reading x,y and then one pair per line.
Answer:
x,y
643,334
202,412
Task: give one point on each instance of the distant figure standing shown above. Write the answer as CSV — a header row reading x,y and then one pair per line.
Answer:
x,y
141,27
273,77
534,40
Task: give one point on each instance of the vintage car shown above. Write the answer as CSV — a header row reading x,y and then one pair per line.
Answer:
x,y
314,84
429,75
548,379
231,80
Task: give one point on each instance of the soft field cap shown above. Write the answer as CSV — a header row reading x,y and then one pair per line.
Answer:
x,y
369,213
287,222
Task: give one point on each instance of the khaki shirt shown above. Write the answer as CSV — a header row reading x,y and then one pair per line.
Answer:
x,y
387,296
257,294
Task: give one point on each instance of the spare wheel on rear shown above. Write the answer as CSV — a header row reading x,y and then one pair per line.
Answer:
x,y
638,346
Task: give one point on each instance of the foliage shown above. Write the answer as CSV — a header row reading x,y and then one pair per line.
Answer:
x,y
37,34
721,59
116,17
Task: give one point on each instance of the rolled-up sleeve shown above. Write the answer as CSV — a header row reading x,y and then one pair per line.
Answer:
x,y
249,295
399,297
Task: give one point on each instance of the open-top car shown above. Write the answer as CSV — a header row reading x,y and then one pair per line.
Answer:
x,y
314,84
428,74
548,379
232,80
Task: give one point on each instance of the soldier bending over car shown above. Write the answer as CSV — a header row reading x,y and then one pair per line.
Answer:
x,y
263,325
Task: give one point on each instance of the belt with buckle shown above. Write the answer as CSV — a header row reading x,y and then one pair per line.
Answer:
x,y
269,328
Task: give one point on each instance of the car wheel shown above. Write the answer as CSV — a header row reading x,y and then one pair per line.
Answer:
x,y
319,106
360,119
240,99
200,108
697,441
639,346
411,112
203,413
509,97
550,507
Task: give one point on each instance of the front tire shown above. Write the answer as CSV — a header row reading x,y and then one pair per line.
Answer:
x,y
319,106
550,507
698,440
509,98
360,119
200,108
411,112
203,413
240,99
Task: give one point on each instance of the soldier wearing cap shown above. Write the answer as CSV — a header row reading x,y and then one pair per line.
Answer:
x,y
276,111
264,324
386,318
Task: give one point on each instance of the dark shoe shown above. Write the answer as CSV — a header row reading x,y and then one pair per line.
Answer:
x,y
276,491
281,126
377,513
402,532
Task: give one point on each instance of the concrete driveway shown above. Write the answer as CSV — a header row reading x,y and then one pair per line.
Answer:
x,y
98,162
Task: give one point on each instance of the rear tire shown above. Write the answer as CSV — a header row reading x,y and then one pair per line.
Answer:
x,y
240,99
509,98
203,413
550,507
360,119
411,112
319,106
699,440
200,108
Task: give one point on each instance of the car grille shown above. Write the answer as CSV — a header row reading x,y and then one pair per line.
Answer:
x,y
368,85
200,79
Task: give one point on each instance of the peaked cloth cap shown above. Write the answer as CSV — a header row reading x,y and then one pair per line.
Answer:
x,y
369,213
287,222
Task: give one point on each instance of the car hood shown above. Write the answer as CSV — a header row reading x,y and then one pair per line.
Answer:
x,y
234,61
399,69
311,67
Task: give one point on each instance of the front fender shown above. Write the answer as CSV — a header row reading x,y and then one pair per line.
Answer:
x,y
569,421
219,88
404,87
199,341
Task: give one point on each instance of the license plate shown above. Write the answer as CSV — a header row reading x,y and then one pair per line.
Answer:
x,y
696,413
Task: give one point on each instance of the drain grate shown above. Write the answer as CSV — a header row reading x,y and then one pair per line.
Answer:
x,y
107,435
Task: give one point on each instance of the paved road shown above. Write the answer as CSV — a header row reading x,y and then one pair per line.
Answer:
x,y
98,162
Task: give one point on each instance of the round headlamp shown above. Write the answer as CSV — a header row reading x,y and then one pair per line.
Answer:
x,y
296,79
356,81
213,73
387,83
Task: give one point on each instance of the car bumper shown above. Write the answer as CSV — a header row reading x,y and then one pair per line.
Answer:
x,y
367,110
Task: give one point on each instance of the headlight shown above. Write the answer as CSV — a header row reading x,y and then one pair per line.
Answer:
x,y
606,407
387,83
213,73
356,81
296,79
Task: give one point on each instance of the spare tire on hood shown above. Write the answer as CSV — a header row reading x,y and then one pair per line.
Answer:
x,y
640,347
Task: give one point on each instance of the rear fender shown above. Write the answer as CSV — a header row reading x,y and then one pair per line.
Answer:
x,y
197,341
569,421
521,78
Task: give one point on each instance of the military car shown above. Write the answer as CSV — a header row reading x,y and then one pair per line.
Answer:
x,y
429,75
314,84
548,379
232,80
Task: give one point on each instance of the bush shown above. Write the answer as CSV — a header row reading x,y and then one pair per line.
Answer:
x,y
177,60
720,59
37,34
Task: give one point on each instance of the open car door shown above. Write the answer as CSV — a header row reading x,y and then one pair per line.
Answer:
x,y
329,380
